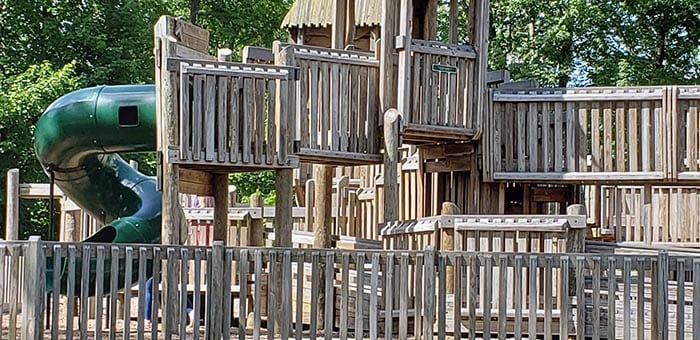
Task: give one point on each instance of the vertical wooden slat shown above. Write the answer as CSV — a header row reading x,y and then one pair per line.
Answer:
x,y
696,299
315,289
157,257
564,302
518,296
596,160
532,297
596,297
128,263
373,309
185,124
259,120
582,137
84,288
286,308
56,288
403,297
627,287
502,296
271,294
243,295
299,315
389,296
234,120
508,136
532,137
571,137
580,302
442,296
546,128
246,114
197,116
549,262
142,288
608,136
645,141
361,97
359,296
640,299
329,280
612,287
4,275
209,118
196,299
70,293
314,82
257,302
418,302
304,113
632,136
325,105
344,298
680,299
558,146
271,141
221,118
620,141
521,124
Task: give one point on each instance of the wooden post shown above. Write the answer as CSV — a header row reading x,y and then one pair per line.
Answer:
x,y
283,208
220,223
576,238
481,42
404,86
392,122
350,23
454,8
387,84
447,240
12,212
33,291
167,130
309,204
256,238
338,28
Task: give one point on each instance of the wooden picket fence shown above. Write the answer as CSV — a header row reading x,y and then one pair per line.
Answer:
x,y
375,294
593,134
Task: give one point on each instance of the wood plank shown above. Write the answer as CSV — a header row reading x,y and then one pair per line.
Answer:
x,y
582,135
325,105
620,140
607,137
258,121
197,116
522,122
210,119
314,104
221,118
270,125
373,308
361,99
559,143
645,141
339,100
247,115
545,128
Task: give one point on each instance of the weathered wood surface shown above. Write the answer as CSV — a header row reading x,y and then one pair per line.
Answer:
x,y
236,115
625,134
337,116
525,300
436,83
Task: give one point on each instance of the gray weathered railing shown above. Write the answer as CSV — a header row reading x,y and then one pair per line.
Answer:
x,y
579,295
440,82
337,113
234,114
626,134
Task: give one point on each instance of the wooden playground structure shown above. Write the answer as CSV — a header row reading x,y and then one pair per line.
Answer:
x,y
418,194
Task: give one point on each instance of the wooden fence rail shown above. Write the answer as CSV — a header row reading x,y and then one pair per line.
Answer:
x,y
337,114
598,295
602,134
439,80
233,114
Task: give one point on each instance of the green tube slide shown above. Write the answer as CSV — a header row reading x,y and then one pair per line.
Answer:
x,y
78,138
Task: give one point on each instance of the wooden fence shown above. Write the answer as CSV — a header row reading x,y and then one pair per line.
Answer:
x,y
439,82
337,112
594,134
234,114
652,215
598,295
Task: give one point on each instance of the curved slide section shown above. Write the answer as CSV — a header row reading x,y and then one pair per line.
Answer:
x,y
78,138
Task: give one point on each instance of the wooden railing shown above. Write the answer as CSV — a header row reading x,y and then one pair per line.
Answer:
x,y
438,91
233,114
571,295
337,115
651,215
579,134
623,134
685,101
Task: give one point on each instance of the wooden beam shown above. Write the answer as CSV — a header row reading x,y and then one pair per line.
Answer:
x,y
392,123
220,225
256,228
350,23
447,240
12,212
387,84
195,182
449,165
283,207
338,28
454,8
446,150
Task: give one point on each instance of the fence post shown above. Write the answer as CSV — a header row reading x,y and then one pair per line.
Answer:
x,y
429,291
662,295
216,295
34,286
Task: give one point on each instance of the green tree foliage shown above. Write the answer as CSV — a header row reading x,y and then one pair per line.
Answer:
x,y
248,183
24,98
607,42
